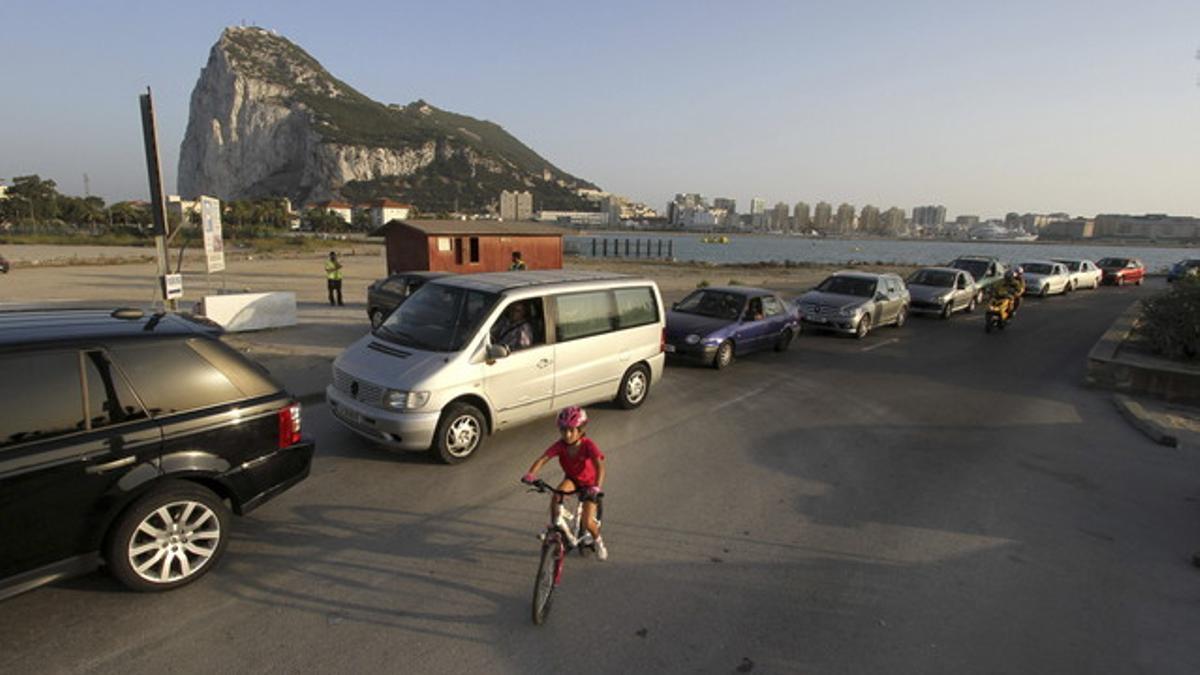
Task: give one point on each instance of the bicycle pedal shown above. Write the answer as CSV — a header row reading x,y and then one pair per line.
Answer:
x,y
541,536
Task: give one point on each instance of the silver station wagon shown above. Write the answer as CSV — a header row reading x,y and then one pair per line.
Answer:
x,y
853,302
467,355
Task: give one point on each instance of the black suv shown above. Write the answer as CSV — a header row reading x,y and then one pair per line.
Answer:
x,y
126,439
385,295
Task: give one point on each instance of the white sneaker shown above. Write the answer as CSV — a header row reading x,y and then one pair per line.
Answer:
x,y
585,539
601,551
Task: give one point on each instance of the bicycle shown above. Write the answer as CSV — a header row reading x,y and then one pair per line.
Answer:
x,y
563,534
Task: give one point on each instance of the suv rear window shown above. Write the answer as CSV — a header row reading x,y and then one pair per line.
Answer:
x,y
171,376
40,395
635,307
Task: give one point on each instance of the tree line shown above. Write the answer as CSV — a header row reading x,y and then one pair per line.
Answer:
x,y
33,205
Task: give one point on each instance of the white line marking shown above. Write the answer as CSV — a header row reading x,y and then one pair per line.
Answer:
x,y
743,397
880,344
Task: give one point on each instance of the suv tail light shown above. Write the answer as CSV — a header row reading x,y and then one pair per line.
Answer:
x,y
289,425
662,341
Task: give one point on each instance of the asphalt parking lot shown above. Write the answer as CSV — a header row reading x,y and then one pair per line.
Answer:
x,y
930,499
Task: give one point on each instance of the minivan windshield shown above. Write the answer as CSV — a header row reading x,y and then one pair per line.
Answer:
x,y
1037,268
437,318
864,288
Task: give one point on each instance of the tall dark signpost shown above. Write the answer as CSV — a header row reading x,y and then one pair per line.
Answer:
x,y
158,204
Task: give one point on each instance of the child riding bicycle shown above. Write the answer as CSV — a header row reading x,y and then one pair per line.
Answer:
x,y
583,468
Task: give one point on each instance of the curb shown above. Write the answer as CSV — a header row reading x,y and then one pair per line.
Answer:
x,y
1135,413
1136,374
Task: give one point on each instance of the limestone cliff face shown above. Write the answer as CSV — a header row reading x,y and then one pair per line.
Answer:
x,y
267,120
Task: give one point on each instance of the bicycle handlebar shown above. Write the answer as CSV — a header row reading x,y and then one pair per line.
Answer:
x,y
540,485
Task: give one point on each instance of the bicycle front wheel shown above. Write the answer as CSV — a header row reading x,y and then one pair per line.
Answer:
x,y
543,587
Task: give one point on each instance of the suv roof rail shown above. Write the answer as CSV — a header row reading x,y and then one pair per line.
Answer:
x,y
127,313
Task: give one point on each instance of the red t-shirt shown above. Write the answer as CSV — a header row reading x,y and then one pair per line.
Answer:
x,y
581,471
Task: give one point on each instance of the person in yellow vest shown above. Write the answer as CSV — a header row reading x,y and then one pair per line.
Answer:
x,y
333,278
518,263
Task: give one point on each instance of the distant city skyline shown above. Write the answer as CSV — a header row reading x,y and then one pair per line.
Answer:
x,y
1023,106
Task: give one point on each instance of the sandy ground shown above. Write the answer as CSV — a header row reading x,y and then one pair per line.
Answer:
x,y
133,283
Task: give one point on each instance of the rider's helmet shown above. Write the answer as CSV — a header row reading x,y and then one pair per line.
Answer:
x,y
1010,275
572,417
1018,271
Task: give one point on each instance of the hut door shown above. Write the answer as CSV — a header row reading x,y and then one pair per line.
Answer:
x,y
458,251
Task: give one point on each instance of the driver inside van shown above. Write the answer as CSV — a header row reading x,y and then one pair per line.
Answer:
x,y
513,329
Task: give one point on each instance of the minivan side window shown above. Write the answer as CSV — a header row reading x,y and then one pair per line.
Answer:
x,y
110,400
171,377
635,306
584,314
40,395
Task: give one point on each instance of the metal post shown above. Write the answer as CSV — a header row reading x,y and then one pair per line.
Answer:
x,y
637,250
660,248
605,248
626,248
670,248
593,247
157,203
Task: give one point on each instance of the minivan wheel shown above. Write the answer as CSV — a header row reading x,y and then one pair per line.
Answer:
x,y
724,355
377,318
170,537
634,387
459,433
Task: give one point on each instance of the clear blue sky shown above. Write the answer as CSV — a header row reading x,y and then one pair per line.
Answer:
x,y
986,107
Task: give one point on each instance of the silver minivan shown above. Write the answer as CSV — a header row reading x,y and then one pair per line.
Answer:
x,y
472,354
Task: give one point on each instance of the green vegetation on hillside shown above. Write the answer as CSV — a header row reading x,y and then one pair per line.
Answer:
x,y
345,116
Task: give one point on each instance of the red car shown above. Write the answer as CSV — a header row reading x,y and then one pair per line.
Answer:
x,y
1121,271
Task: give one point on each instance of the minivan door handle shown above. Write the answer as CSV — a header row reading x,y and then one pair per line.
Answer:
x,y
109,466
543,363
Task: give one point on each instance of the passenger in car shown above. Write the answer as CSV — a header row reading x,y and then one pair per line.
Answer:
x,y
755,311
513,329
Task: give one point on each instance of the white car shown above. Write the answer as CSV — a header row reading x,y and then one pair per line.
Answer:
x,y
1043,277
1084,273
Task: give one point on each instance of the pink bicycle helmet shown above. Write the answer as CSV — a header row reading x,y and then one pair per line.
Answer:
x,y
571,417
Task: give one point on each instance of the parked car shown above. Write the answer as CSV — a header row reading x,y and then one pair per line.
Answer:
x,y
986,270
942,291
1043,277
385,295
1121,271
711,325
1084,273
126,440
1183,268
444,370
854,302
4,265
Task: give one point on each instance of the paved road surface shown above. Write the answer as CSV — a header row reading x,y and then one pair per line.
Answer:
x,y
931,499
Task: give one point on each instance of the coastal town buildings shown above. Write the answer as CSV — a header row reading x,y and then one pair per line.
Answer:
x,y
844,221
383,211
516,205
893,222
868,220
823,217
801,219
778,220
929,219
340,209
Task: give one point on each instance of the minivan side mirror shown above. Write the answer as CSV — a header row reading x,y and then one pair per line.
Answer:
x,y
497,352
674,305
880,296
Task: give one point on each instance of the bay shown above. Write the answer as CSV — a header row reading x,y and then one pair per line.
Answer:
x,y
779,249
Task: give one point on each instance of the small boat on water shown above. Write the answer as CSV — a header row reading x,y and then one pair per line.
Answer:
x,y
714,239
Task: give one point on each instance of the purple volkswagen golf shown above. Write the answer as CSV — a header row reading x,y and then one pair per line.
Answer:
x,y
711,325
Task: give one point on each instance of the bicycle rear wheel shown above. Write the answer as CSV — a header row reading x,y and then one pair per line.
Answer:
x,y
543,586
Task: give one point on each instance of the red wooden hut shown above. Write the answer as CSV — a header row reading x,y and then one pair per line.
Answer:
x,y
466,246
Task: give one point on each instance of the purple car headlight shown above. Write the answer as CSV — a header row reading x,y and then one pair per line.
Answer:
x,y
692,339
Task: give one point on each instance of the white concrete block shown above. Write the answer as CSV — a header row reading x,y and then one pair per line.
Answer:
x,y
251,311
